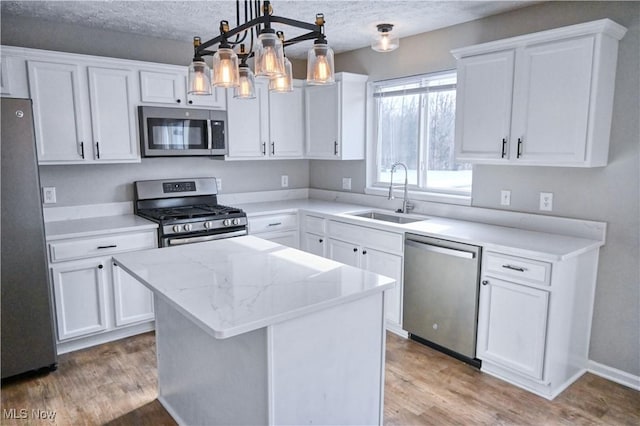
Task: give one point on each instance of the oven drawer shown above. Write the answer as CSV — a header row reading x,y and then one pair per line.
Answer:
x,y
517,269
79,248
273,222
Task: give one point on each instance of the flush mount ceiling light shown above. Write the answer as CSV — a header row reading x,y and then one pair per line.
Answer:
x,y
230,69
385,41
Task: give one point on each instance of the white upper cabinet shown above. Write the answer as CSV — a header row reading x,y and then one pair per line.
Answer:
x,y
84,110
270,126
168,85
539,99
13,75
335,119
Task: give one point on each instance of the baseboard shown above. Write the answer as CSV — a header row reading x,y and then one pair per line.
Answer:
x,y
615,375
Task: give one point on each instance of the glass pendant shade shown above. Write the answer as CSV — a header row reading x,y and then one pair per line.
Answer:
x,y
225,68
320,68
385,41
269,55
246,88
199,77
284,82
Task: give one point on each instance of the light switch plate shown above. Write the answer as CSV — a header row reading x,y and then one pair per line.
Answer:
x,y
346,183
284,181
219,184
505,197
546,201
49,194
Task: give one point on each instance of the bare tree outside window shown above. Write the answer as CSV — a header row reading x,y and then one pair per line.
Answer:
x,y
415,124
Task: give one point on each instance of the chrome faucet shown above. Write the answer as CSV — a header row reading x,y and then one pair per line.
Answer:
x,y
406,204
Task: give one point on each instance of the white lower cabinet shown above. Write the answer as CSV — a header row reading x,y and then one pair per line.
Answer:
x,y
373,250
314,243
514,319
95,300
281,228
80,297
534,319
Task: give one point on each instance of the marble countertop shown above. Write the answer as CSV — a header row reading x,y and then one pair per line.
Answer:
x,y
237,285
78,228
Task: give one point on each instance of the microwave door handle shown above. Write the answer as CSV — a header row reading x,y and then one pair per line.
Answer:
x,y
209,136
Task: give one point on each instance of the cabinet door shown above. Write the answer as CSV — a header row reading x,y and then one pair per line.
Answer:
x,y
322,121
113,119
163,87
79,293
551,100
314,244
286,123
512,324
483,106
217,99
245,117
57,111
133,301
389,265
344,252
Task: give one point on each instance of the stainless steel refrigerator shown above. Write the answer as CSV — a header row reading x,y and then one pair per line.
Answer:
x,y
26,318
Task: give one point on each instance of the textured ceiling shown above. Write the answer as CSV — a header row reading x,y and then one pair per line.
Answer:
x,y
349,24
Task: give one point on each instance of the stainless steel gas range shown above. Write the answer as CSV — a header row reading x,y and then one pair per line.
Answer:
x,y
187,211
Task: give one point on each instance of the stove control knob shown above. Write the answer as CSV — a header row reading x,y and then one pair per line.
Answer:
x,y
226,222
188,227
236,221
176,228
208,224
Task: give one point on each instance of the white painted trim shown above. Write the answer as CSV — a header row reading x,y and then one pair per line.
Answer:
x,y
613,374
103,337
170,410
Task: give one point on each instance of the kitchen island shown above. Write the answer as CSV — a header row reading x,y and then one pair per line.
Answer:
x,y
252,332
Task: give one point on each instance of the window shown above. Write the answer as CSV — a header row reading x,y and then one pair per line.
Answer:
x,y
414,123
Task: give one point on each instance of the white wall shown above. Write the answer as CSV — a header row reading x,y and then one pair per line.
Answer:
x,y
610,194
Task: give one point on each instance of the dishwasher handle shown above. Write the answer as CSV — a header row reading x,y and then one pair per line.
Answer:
x,y
442,250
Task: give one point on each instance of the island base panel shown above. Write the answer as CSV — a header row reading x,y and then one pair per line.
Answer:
x,y
326,367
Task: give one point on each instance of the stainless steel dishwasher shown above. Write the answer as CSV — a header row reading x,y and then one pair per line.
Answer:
x,y
441,281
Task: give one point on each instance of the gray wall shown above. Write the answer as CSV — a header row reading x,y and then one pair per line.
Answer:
x,y
610,194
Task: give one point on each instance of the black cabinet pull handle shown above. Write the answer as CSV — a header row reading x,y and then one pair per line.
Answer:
x,y
100,266
504,147
519,148
109,246
335,147
514,268
275,224
264,148
273,148
82,150
485,282
97,149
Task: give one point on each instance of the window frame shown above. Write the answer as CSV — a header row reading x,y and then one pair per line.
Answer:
x,y
415,193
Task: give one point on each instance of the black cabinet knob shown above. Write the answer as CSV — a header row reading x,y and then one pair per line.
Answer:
x,y
364,252
355,249
321,240
485,282
178,100
100,266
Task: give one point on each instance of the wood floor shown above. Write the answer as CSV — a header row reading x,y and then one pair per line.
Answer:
x,y
115,384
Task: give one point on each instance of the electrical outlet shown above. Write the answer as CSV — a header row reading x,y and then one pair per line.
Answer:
x,y
219,184
346,183
505,197
546,201
49,194
284,181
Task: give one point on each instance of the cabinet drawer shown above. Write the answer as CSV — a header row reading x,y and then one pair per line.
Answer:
x,y
517,268
314,224
79,248
369,237
276,222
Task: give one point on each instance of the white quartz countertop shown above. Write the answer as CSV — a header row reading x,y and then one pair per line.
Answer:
x,y
78,228
536,244
240,284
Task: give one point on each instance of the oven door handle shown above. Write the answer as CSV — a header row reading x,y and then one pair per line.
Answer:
x,y
179,241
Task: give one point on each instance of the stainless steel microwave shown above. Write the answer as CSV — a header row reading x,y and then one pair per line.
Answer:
x,y
173,132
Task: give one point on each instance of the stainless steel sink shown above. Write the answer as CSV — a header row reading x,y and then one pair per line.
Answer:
x,y
385,217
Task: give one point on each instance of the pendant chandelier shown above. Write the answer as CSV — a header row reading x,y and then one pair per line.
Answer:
x,y
230,69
